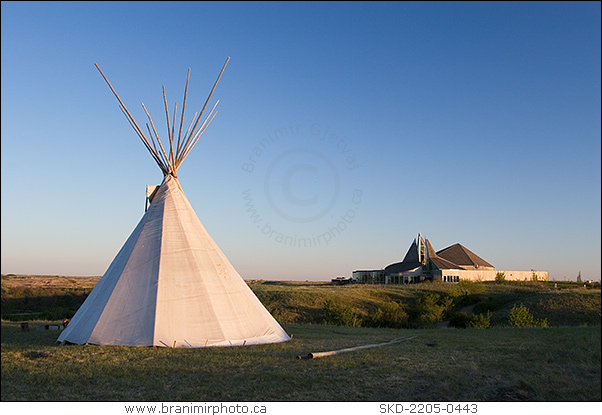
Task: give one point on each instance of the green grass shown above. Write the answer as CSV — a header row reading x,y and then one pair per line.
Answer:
x,y
559,363
303,303
498,364
567,304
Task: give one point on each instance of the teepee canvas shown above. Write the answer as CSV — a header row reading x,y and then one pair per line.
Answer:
x,y
170,285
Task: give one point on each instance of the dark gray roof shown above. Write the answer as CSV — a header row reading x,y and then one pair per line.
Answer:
x,y
410,261
402,267
463,257
442,263
412,254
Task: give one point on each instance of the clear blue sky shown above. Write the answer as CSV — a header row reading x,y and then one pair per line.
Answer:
x,y
349,126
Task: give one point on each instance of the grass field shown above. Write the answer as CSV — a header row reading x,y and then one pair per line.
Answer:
x,y
498,364
558,363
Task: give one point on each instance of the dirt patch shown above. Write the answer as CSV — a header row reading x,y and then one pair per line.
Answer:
x,y
521,393
36,355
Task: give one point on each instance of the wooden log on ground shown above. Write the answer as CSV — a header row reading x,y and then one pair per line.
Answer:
x,y
316,355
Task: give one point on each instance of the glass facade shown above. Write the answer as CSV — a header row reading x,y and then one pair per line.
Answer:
x,y
370,277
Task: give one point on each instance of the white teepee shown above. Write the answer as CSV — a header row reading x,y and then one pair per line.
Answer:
x,y
170,284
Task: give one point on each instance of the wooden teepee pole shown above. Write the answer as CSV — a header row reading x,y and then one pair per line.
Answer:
x,y
169,134
167,166
198,134
183,110
169,161
184,150
133,122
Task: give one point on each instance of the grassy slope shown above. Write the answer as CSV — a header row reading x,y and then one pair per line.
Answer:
x,y
55,298
298,303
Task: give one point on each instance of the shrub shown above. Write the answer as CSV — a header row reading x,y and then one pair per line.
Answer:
x,y
339,315
432,308
464,320
488,304
480,321
500,276
390,314
521,317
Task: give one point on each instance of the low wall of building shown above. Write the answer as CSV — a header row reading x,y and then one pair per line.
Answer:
x,y
455,275
525,275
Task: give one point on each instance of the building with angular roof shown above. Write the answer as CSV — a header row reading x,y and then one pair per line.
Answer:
x,y
452,264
